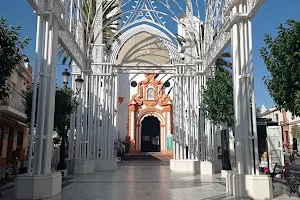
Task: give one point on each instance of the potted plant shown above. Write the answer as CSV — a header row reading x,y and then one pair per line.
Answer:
x,y
121,150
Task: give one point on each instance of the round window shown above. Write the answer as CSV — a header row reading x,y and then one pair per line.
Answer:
x,y
167,84
133,84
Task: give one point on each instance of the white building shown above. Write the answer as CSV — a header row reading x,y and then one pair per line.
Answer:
x,y
284,118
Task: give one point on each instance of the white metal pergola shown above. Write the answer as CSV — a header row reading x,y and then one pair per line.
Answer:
x,y
226,22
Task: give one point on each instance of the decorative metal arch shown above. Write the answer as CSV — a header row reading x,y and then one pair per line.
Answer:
x,y
117,45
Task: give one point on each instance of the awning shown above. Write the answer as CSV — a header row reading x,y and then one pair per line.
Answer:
x,y
12,120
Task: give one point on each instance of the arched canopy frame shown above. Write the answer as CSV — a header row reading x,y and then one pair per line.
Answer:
x,y
117,45
153,11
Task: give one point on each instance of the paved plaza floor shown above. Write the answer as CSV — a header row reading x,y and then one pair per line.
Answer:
x,y
150,180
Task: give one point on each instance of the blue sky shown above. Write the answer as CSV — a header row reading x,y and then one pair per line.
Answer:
x,y
271,14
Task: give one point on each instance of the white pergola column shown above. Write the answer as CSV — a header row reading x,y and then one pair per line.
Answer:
x,y
102,123
91,112
198,115
41,173
95,121
83,164
185,117
202,120
247,183
106,133
176,119
210,164
207,166
169,123
132,125
232,149
71,139
78,135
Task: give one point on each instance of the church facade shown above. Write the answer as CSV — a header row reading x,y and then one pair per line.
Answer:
x,y
150,116
144,107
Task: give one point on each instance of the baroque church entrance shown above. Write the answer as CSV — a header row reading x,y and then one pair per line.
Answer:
x,y
144,107
150,134
150,116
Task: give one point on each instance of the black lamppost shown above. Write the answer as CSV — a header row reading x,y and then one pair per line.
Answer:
x,y
62,156
65,77
62,153
79,81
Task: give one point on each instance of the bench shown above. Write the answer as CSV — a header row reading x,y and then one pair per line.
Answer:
x,y
289,178
277,170
9,174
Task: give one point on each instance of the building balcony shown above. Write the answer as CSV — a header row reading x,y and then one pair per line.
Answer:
x,y
13,106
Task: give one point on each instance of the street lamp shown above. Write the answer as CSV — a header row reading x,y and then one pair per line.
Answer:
x,y
79,81
62,161
65,77
62,155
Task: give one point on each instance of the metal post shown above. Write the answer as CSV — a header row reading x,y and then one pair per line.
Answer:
x,y
237,95
113,114
103,100
111,110
105,115
243,90
197,112
100,130
95,118
47,152
34,95
42,100
79,122
72,125
182,121
253,108
91,95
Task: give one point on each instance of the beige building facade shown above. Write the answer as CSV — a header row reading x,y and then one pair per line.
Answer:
x,y
13,120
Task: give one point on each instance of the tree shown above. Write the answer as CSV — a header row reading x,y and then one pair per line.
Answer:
x,y
11,48
218,106
218,97
65,104
110,24
281,56
296,131
223,63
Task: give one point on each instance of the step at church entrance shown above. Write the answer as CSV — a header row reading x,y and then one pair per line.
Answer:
x,y
153,156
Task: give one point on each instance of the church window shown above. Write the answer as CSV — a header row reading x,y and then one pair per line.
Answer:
x,y
133,84
150,94
167,84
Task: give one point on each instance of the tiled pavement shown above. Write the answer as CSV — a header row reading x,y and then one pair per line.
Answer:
x,y
144,181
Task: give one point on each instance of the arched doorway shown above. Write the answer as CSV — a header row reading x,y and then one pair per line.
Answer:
x,y
150,134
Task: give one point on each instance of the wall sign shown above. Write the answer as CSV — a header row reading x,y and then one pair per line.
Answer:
x,y
169,142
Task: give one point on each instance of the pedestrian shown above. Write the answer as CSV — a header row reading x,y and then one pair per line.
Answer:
x,y
295,148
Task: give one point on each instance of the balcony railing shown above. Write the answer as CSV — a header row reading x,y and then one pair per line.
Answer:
x,y
14,100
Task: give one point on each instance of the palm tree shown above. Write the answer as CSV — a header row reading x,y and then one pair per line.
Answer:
x,y
110,19
222,63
